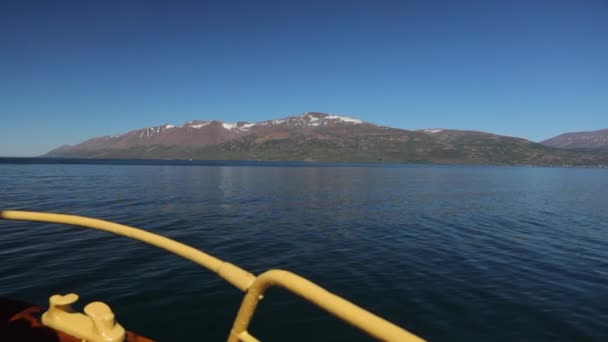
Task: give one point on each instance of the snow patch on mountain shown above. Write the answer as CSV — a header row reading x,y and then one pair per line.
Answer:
x,y
228,125
199,125
247,126
344,119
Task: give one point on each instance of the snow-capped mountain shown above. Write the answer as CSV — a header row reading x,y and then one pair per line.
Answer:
x,y
197,133
322,137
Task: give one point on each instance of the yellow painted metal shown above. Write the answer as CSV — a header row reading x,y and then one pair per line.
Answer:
x,y
254,286
231,273
373,325
245,337
98,325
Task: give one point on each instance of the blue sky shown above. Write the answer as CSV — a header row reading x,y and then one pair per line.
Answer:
x,y
74,70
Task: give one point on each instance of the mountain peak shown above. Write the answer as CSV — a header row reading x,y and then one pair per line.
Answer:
x,y
196,124
308,119
593,139
317,115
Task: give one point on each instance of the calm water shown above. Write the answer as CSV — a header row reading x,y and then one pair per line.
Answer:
x,y
450,253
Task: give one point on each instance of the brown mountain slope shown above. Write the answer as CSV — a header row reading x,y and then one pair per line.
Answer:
x,y
594,139
324,137
205,133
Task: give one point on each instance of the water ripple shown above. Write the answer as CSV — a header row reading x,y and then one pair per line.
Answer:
x,y
452,253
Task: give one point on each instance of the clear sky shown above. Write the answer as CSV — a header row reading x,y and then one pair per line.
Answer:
x,y
75,70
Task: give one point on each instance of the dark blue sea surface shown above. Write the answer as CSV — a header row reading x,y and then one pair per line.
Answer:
x,y
449,252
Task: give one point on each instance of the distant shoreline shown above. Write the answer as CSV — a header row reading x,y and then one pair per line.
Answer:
x,y
267,163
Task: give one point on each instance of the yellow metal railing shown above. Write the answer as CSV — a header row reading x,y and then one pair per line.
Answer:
x,y
254,287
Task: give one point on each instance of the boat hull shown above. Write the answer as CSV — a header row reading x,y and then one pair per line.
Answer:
x,y
21,321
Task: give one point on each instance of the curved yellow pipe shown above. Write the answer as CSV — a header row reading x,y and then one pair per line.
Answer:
x,y
373,325
254,286
233,274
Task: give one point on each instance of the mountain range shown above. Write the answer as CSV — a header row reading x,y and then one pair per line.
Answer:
x,y
315,136
594,139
